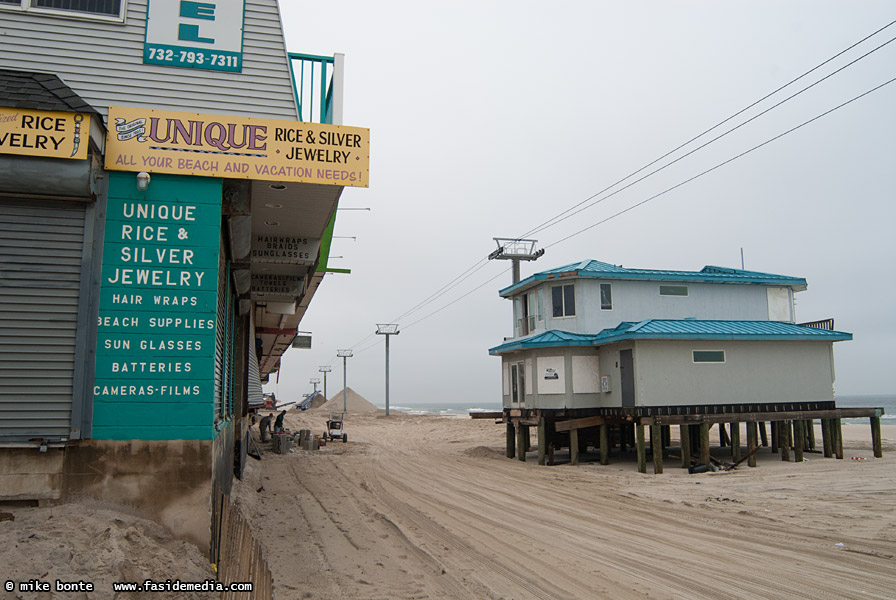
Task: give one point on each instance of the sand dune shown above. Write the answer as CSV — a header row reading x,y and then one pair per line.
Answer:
x,y
428,507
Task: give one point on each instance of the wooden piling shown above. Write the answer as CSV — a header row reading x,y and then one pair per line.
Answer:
x,y
522,433
735,441
704,443
604,444
762,435
810,434
776,436
799,438
542,442
510,444
752,442
642,451
827,442
875,437
723,436
685,434
573,446
838,438
783,428
656,443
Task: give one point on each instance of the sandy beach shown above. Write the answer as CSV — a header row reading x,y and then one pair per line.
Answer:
x,y
422,506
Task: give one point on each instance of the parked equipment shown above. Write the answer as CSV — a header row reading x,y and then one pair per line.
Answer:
x,y
335,427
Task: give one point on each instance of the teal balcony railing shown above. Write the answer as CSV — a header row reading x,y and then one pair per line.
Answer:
x,y
312,78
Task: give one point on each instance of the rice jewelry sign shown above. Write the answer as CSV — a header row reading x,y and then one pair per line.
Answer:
x,y
43,133
142,139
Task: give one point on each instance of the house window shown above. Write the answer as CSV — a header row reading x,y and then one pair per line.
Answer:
x,y
563,300
673,290
106,8
709,356
606,296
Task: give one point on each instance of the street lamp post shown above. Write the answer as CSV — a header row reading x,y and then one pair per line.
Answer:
x,y
345,355
387,329
325,369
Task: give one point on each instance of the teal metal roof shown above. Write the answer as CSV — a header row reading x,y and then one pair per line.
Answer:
x,y
676,329
708,274
548,339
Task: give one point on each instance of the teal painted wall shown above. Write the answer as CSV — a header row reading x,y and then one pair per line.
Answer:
x,y
155,366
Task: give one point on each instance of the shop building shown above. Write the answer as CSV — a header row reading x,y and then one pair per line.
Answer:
x,y
168,192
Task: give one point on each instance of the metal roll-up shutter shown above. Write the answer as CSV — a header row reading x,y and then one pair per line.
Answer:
x,y
41,247
255,396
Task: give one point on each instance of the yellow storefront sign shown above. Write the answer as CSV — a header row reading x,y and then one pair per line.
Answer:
x,y
234,147
43,133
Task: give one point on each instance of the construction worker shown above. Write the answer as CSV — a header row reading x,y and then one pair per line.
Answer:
x,y
265,427
278,424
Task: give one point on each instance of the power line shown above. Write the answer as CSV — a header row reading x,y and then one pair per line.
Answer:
x,y
723,163
567,214
563,216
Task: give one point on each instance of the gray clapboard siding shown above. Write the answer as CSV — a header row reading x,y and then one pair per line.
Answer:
x,y
103,63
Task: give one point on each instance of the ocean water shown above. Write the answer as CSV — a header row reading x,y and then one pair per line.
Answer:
x,y
885,401
449,409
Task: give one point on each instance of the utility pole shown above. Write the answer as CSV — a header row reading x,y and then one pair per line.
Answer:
x,y
314,381
325,369
387,329
515,250
345,354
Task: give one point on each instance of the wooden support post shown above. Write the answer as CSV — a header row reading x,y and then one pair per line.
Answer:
x,y
827,442
776,436
642,451
789,431
810,433
762,435
685,434
723,436
752,442
573,446
522,432
542,442
510,449
527,438
783,446
667,438
604,444
875,437
799,438
838,438
735,441
704,443
656,443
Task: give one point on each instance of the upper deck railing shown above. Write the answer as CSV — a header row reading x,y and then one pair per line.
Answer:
x,y
317,82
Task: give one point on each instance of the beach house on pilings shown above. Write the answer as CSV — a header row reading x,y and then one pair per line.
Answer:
x,y
600,351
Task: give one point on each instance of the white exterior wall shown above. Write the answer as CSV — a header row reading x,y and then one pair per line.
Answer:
x,y
103,63
753,372
578,369
640,300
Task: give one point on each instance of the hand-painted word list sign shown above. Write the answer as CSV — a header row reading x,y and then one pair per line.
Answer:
x,y
155,365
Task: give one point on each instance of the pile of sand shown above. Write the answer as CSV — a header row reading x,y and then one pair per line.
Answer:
x,y
98,543
354,402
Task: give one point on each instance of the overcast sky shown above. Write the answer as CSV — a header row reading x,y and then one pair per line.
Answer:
x,y
489,118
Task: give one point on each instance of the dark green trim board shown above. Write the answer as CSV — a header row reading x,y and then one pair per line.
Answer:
x,y
155,367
